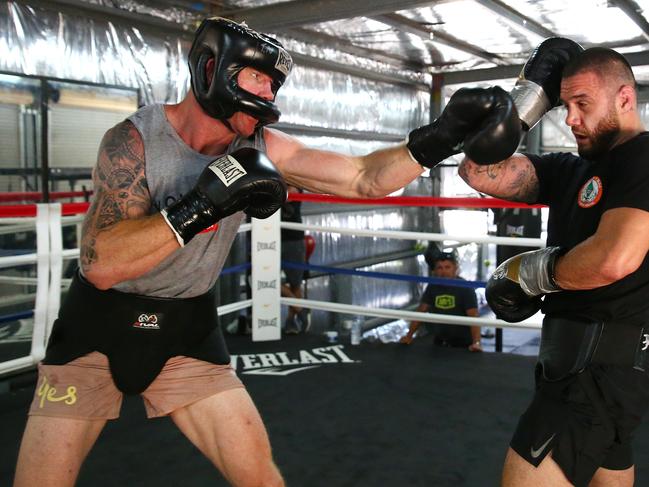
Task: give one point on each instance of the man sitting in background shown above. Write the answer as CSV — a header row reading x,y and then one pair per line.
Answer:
x,y
448,299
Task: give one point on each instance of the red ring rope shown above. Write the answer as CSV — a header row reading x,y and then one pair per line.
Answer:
x,y
412,201
13,211
37,196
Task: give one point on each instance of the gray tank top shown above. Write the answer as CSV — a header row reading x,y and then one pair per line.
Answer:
x,y
172,169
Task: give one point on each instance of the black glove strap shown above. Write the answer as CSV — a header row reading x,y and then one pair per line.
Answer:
x,y
552,264
191,215
429,146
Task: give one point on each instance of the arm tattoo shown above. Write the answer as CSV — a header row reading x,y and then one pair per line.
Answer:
x,y
120,186
513,179
525,185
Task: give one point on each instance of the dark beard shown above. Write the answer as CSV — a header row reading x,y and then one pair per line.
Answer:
x,y
602,138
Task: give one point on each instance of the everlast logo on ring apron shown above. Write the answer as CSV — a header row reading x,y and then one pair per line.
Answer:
x,y
286,363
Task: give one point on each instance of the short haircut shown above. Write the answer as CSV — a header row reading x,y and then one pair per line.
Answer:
x,y
450,256
436,255
604,62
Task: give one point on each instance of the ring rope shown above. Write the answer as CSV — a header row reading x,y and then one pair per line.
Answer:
x,y
72,210
29,210
405,235
384,275
399,314
444,202
37,195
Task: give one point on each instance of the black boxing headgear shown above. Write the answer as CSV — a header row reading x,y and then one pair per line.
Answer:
x,y
234,47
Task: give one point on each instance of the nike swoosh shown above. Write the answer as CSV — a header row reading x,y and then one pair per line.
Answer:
x,y
537,453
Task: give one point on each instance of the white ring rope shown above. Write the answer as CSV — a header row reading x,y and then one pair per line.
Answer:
x,y
530,323
14,225
404,235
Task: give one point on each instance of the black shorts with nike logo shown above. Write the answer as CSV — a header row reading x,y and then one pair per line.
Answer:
x,y
585,420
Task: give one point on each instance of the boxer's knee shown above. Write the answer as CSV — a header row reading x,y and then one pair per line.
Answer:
x,y
517,472
613,478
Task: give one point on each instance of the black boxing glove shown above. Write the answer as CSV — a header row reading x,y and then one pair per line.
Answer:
x,y
515,289
481,122
538,86
245,180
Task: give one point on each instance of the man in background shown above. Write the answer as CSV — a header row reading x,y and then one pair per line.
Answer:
x,y
448,299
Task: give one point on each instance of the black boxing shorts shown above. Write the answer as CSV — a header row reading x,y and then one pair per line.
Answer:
x,y
138,334
585,411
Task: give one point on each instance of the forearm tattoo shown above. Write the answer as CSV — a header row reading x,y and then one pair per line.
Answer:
x,y
120,187
513,179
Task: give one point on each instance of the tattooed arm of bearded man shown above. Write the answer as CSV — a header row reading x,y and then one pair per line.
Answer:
x,y
513,179
119,241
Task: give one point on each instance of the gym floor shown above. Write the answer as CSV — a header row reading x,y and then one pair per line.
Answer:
x,y
337,415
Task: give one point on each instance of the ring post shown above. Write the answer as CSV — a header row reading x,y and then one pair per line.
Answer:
x,y
266,278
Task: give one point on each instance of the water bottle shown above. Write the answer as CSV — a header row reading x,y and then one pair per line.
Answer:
x,y
356,332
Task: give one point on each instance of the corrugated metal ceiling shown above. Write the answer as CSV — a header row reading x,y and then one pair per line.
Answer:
x,y
447,36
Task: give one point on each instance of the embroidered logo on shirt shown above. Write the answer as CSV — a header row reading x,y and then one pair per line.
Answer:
x,y
445,301
645,342
147,322
590,193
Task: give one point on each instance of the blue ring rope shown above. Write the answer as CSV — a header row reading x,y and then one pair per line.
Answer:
x,y
287,264
384,275
236,268
16,316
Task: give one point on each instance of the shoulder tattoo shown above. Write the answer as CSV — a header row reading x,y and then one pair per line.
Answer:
x,y
120,188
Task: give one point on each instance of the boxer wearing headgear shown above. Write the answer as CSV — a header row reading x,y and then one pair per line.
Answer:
x,y
172,184
232,47
592,279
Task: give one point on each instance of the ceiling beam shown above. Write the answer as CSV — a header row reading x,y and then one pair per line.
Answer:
x,y
297,13
516,17
316,131
345,46
632,10
487,74
100,12
326,65
412,26
506,72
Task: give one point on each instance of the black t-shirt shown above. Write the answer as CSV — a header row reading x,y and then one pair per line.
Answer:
x,y
578,192
450,300
291,211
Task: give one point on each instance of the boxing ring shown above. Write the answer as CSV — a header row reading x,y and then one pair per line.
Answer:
x,y
48,221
